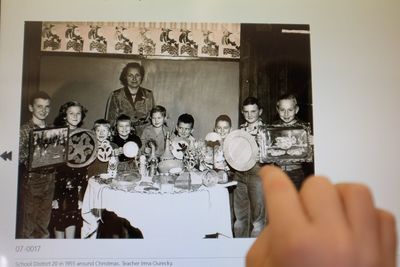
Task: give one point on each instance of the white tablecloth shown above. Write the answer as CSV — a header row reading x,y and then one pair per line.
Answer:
x,y
188,215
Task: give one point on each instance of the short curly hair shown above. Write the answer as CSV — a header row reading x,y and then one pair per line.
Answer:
x,y
131,65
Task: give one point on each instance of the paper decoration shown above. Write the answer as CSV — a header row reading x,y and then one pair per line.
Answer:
x,y
160,39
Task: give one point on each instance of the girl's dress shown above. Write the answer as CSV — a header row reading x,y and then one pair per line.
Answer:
x,y
70,186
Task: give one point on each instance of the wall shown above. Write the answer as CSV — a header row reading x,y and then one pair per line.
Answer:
x,y
202,88
273,63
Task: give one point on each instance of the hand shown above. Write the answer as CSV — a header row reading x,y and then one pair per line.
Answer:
x,y
80,204
311,139
322,225
147,150
152,159
54,204
118,151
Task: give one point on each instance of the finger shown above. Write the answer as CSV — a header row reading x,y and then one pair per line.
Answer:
x,y
260,250
282,200
387,235
322,202
363,221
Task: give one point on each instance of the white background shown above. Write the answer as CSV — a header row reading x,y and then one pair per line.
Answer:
x,y
355,59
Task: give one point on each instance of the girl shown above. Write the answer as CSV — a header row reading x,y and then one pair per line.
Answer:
x,y
70,182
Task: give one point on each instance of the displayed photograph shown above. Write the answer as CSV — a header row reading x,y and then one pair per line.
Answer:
x,y
285,145
168,124
48,147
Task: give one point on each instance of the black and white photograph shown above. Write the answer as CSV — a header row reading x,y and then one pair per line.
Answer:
x,y
286,145
168,124
48,147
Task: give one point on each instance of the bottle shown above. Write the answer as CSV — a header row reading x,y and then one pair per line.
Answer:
x,y
153,162
143,166
167,151
112,166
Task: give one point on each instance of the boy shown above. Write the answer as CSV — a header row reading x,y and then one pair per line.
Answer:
x,y
125,134
102,130
156,132
248,199
223,125
287,109
214,156
37,186
184,128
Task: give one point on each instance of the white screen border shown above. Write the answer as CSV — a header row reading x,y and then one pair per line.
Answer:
x,y
355,63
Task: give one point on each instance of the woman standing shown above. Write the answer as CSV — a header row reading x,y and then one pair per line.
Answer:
x,y
70,182
132,99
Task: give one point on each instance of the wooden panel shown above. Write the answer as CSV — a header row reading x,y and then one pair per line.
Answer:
x,y
31,66
274,63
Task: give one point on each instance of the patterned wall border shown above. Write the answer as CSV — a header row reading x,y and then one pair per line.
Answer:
x,y
170,39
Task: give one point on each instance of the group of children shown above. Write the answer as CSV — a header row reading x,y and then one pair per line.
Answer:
x,y
51,198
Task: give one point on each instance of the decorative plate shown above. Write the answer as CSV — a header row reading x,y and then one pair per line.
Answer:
x,y
178,147
83,148
130,149
240,150
104,151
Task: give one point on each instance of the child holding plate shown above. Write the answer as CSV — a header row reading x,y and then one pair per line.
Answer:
x,y
125,134
70,182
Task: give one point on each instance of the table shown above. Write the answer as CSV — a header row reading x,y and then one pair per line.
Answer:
x,y
186,215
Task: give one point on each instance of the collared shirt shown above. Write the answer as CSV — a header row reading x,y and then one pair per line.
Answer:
x,y
254,129
281,123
